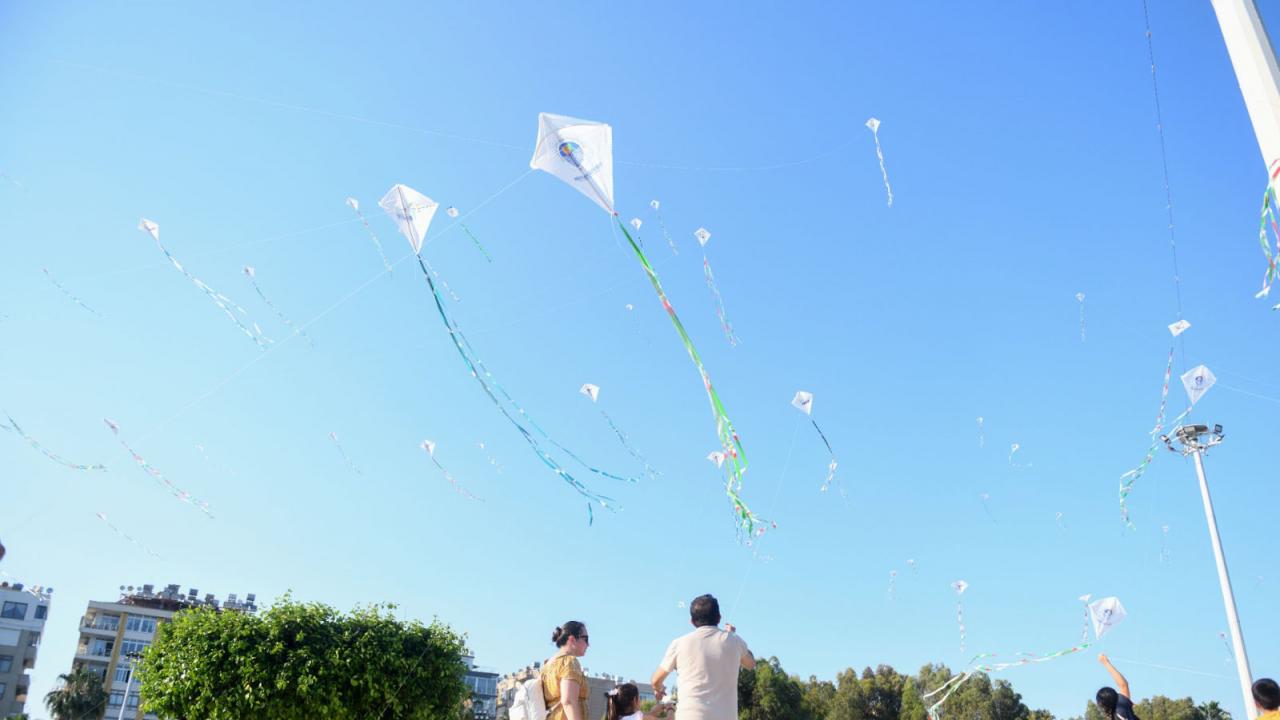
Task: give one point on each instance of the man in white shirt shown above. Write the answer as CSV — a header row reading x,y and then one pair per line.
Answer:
x,y
708,660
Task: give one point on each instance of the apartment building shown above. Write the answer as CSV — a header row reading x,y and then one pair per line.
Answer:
x,y
23,612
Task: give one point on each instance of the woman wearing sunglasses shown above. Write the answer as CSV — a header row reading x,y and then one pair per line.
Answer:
x,y
564,685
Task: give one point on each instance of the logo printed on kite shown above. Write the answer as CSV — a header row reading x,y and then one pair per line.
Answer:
x,y
572,153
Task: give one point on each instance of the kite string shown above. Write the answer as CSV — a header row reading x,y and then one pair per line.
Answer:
x,y
1127,661
773,506
1164,167
437,133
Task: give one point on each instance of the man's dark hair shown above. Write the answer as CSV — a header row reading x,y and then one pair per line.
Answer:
x,y
704,610
1267,694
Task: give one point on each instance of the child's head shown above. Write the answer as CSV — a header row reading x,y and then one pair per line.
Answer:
x,y
622,701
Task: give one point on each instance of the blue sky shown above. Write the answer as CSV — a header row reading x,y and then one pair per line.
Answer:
x,y
1025,163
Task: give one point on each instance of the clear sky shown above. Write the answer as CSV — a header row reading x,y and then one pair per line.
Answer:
x,y
1021,143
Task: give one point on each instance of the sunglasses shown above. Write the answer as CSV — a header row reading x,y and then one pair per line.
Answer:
x,y
584,638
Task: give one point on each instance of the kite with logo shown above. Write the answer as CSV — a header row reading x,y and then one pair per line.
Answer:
x,y
412,212
355,205
223,302
452,212
703,235
803,401
252,274
429,447
580,153
1197,382
593,392
1105,615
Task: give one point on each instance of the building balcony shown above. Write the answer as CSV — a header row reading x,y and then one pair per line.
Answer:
x,y
99,628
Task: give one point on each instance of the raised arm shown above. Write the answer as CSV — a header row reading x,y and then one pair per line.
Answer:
x,y
659,677
1122,685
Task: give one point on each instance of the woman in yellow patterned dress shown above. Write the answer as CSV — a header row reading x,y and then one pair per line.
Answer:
x,y
564,685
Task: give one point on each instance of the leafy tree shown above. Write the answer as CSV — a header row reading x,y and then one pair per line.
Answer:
x,y
912,703
1211,710
818,696
1007,704
298,661
1159,707
80,695
775,695
850,702
882,691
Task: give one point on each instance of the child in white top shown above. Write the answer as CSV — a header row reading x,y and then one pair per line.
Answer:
x,y
623,703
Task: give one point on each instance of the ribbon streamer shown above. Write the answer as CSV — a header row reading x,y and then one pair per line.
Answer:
x,y
626,443
663,224
1268,215
874,126
355,205
126,536
493,389
747,521
429,448
252,274
893,577
982,438
1128,479
958,680
497,466
703,236
224,303
66,292
158,476
342,451
985,508
1080,299
1164,544
452,212
14,427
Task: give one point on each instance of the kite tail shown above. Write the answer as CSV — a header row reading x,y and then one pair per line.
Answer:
x,y
376,243
747,521
626,443
831,469
158,476
222,301
667,235
283,318
456,485
35,444
1268,213
66,292
462,346
715,293
475,240
532,423
883,172
1128,479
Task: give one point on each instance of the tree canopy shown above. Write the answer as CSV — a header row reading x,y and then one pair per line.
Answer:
x,y
298,661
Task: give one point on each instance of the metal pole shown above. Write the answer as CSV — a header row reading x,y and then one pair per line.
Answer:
x,y
1254,62
127,687
1228,598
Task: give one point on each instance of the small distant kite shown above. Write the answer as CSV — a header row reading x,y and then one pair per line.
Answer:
x,y
803,401
874,126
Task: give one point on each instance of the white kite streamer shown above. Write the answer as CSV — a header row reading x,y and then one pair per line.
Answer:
x,y
874,125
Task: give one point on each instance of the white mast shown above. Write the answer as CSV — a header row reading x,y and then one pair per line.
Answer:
x,y
1254,61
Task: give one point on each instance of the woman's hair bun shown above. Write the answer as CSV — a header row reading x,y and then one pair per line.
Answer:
x,y
556,634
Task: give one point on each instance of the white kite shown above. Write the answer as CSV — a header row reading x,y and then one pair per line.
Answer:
x,y
412,212
716,457
579,152
874,126
1179,327
591,391
1106,614
803,401
1197,382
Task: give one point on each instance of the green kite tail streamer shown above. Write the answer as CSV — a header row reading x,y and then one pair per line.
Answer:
x,y
747,521
476,240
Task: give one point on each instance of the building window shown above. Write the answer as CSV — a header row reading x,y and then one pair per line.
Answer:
x,y
14,611
137,623
101,648
41,611
2,689
133,700
122,673
6,663
107,622
35,640
128,647
116,698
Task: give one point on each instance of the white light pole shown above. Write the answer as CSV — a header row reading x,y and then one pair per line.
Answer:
x,y
133,666
1189,436
1254,61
